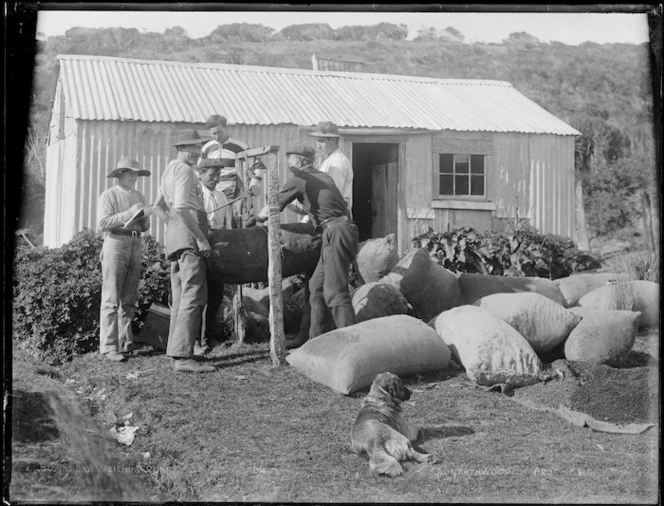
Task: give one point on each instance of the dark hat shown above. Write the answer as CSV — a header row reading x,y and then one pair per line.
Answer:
x,y
188,137
302,150
210,163
326,129
127,163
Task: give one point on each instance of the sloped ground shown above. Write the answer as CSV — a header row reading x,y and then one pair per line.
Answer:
x,y
252,432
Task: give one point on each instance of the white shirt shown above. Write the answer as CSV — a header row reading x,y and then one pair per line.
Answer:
x,y
221,218
339,168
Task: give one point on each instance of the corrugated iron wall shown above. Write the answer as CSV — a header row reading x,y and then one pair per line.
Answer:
x,y
78,167
552,198
534,171
417,180
534,179
529,176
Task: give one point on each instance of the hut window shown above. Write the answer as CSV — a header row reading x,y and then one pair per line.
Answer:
x,y
461,175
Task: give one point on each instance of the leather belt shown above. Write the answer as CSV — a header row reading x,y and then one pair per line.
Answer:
x,y
132,233
332,221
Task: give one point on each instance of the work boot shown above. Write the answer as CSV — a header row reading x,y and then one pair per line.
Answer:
x,y
297,342
191,365
115,356
129,347
199,350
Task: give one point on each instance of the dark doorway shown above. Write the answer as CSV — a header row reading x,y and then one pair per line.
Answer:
x,y
375,185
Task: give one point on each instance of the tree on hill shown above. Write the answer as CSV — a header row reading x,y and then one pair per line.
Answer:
x,y
176,32
426,33
522,38
452,33
241,32
308,31
374,32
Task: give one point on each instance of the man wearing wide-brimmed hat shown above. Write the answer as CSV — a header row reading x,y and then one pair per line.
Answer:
x,y
334,162
120,258
187,248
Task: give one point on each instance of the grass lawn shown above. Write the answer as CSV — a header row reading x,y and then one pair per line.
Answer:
x,y
252,432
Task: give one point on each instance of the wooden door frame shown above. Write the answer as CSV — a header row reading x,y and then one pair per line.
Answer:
x,y
401,140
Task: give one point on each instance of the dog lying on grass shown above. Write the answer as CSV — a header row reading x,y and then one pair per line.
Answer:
x,y
381,430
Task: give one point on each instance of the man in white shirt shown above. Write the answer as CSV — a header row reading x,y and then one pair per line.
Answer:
x,y
220,146
334,162
208,173
219,218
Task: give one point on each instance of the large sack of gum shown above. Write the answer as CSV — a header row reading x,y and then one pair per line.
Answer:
x,y
377,257
427,286
474,286
375,300
642,296
577,285
348,359
602,335
544,323
491,350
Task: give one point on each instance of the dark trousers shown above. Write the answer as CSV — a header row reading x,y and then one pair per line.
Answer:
x,y
330,300
215,298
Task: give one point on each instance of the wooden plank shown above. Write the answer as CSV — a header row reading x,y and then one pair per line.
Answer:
x,y
463,143
276,320
238,308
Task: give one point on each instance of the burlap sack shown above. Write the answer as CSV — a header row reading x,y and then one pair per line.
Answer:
x,y
474,286
602,335
427,286
375,300
642,296
577,285
348,359
377,257
544,323
491,350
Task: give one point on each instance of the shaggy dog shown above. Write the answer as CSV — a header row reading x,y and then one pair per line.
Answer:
x,y
381,430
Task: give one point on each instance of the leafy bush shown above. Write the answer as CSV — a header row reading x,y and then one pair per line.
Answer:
x,y
57,295
459,251
515,252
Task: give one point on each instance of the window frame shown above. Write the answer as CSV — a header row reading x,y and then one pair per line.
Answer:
x,y
466,197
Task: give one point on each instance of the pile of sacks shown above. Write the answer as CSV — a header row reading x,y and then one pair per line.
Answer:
x,y
415,316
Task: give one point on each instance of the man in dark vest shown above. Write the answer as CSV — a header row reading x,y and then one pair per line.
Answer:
x,y
320,197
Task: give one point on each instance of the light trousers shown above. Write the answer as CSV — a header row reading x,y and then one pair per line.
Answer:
x,y
189,293
120,270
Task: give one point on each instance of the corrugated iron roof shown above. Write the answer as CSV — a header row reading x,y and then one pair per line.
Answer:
x,y
106,88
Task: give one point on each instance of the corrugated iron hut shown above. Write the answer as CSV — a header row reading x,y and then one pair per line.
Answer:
x,y
443,153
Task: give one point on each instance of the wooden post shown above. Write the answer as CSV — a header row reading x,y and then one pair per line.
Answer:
x,y
277,336
239,312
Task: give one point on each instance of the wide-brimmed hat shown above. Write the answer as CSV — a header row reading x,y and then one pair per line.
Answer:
x,y
127,163
214,163
188,137
326,129
302,150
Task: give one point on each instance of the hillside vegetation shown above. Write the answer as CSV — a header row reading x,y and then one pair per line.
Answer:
x,y
603,90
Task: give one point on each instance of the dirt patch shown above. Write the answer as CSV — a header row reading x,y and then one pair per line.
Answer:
x,y
621,393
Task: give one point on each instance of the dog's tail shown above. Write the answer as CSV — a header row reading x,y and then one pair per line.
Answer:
x,y
381,462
